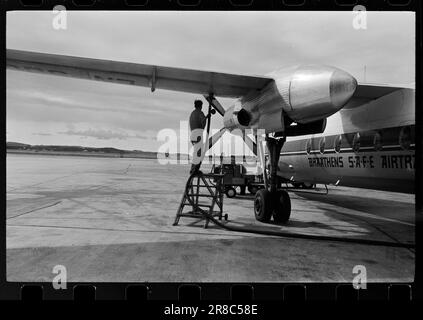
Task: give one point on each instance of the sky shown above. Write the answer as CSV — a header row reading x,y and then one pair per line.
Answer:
x,y
43,109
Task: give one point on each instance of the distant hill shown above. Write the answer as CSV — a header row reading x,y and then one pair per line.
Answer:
x,y
56,148
16,145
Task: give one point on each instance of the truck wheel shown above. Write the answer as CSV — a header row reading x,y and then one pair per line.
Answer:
x,y
282,206
263,205
230,192
252,189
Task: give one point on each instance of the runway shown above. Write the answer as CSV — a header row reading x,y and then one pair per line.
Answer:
x,y
110,219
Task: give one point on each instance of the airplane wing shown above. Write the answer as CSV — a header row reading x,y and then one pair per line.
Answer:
x,y
177,79
374,91
366,92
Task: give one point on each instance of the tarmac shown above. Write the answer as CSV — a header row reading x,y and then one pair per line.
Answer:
x,y
111,220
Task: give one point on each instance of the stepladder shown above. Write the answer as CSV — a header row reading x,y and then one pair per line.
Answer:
x,y
202,198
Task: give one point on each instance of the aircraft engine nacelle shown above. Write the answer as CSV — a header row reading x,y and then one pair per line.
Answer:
x,y
312,93
305,95
236,118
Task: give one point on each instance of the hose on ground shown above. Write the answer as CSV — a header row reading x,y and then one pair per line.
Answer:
x,y
282,234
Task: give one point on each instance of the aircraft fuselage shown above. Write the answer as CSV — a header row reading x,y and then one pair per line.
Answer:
x,y
371,145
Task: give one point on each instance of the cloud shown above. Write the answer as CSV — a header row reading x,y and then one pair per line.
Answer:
x,y
236,42
143,136
99,134
54,100
103,134
42,134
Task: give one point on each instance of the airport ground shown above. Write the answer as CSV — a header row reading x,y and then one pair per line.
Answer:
x,y
111,220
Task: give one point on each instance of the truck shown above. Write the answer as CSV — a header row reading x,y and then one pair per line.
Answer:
x,y
235,175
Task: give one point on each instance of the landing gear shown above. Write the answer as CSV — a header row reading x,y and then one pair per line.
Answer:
x,y
272,201
263,205
282,206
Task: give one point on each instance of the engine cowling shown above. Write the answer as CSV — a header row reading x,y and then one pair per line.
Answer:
x,y
311,93
304,94
236,117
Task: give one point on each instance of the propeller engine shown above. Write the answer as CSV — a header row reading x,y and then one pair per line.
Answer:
x,y
305,95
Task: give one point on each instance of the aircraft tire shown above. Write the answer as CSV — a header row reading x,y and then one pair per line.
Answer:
x,y
282,207
263,205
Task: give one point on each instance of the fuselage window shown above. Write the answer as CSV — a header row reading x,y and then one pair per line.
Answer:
x,y
377,141
356,142
338,143
308,146
405,138
322,144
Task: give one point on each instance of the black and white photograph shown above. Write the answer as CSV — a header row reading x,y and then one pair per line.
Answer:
x,y
210,146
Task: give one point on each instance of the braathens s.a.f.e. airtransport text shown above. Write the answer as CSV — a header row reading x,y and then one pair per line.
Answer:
x,y
321,125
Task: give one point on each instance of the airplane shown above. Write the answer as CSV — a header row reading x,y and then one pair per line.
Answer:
x,y
369,143
320,124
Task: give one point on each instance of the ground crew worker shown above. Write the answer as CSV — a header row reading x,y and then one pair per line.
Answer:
x,y
197,122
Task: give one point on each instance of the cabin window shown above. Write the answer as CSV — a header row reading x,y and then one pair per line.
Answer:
x,y
308,146
377,141
322,144
405,138
338,143
356,142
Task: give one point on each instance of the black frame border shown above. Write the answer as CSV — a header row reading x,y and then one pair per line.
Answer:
x,y
201,292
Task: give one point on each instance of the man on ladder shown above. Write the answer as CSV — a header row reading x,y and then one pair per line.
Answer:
x,y
197,123
200,186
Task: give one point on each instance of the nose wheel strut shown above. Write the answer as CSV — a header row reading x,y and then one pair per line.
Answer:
x,y
271,201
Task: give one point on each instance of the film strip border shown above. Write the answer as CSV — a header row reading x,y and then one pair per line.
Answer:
x,y
216,291
214,4
398,292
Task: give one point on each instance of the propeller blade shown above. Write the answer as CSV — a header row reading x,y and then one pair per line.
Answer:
x,y
250,143
216,105
214,138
